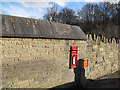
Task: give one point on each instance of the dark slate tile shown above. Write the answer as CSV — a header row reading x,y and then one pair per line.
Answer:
x,y
7,26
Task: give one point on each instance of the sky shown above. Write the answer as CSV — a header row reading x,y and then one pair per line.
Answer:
x,y
38,8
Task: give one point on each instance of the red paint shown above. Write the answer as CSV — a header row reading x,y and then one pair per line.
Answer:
x,y
85,63
74,56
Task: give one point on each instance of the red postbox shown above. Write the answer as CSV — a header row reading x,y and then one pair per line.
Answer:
x,y
74,56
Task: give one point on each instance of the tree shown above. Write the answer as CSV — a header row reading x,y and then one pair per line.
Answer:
x,y
97,12
67,16
116,17
86,14
51,15
92,18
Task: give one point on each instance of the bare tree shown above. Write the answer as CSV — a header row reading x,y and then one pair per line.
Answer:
x,y
51,14
92,18
96,12
67,16
86,13
93,14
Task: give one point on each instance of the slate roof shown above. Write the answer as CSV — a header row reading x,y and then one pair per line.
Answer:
x,y
13,26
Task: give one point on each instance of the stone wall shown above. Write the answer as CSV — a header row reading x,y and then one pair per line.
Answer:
x,y
38,63
102,54
44,63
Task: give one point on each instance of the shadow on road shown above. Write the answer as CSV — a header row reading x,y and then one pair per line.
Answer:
x,y
103,83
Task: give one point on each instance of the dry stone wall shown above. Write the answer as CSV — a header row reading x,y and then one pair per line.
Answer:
x,y
38,63
44,63
102,54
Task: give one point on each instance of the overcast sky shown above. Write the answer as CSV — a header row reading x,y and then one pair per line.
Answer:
x,y
37,8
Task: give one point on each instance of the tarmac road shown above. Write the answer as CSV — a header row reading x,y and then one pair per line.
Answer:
x,y
108,81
